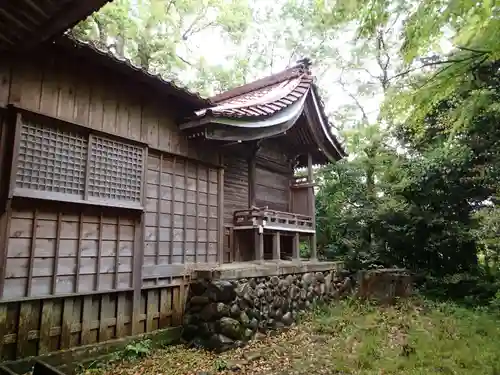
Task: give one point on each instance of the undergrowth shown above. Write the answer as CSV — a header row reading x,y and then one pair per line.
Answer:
x,y
415,336
412,337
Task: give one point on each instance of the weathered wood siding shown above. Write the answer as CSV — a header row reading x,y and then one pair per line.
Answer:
x,y
235,186
72,274
63,87
273,176
181,212
272,189
54,252
41,326
300,201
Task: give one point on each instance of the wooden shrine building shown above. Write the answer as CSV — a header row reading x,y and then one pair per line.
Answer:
x,y
116,184
264,131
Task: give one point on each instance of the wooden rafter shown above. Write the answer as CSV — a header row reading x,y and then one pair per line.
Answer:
x,y
29,23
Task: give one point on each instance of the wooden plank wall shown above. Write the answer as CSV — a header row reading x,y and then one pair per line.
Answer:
x,y
181,212
272,189
235,187
45,325
300,201
68,271
57,252
273,177
95,98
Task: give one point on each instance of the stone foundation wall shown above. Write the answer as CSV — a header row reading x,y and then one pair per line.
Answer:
x,y
222,314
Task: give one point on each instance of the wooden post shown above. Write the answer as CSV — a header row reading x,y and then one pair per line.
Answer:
x,y
220,211
236,244
312,246
312,207
251,181
259,244
296,247
309,168
276,246
137,273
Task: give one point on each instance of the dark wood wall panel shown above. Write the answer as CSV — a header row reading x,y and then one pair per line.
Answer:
x,y
54,252
235,186
300,202
272,189
5,74
273,176
96,99
181,212
42,326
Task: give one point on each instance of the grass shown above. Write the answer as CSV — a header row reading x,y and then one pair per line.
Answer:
x,y
412,337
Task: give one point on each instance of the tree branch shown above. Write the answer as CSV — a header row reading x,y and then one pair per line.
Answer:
x,y
356,101
434,63
190,30
473,50
292,54
169,5
184,60
382,49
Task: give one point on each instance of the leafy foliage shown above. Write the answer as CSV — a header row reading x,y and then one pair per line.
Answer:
x,y
137,349
157,35
420,187
420,198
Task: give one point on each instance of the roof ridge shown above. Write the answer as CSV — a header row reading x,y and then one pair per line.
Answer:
x,y
302,67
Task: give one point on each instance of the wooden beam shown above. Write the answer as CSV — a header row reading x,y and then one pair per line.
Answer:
x,y
66,17
42,368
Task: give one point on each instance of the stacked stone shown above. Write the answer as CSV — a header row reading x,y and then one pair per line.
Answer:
x,y
223,314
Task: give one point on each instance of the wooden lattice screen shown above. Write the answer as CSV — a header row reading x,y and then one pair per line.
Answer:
x,y
66,165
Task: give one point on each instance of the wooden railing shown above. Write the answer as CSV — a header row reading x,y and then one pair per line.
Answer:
x,y
273,219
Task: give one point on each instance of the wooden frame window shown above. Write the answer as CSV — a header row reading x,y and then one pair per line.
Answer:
x,y
68,165
115,170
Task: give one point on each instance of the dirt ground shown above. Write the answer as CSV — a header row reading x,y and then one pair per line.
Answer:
x,y
349,338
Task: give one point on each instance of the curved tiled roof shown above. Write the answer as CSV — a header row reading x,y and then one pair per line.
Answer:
x,y
264,101
256,103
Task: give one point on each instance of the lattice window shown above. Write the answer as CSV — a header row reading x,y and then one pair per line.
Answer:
x,y
51,160
115,170
66,165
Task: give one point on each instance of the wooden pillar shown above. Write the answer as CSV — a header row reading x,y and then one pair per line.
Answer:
x,y
309,168
251,181
296,247
236,244
310,190
312,246
138,251
220,211
259,244
276,246
312,207
137,274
